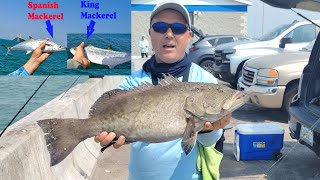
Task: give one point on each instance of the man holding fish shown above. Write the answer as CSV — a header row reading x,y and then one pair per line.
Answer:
x,y
170,34
173,126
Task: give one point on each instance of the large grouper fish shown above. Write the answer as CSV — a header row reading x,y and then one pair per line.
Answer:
x,y
146,113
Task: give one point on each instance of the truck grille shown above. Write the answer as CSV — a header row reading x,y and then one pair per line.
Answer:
x,y
248,75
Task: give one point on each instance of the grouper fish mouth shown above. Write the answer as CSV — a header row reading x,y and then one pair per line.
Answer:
x,y
146,113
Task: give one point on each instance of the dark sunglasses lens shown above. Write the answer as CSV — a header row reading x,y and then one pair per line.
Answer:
x,y
160,27
178,28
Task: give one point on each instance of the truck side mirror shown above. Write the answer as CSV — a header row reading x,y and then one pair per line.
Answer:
x,y
285,41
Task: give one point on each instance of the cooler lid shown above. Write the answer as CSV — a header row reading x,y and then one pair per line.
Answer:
x,y
260,128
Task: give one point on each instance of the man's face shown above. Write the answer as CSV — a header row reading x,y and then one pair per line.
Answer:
x,y
169,47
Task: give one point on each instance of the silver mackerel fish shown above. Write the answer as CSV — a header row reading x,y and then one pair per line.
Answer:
x,y
32,44
146,113
104,56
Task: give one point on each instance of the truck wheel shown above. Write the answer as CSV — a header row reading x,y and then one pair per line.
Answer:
x,y
290,96
238,75
207,64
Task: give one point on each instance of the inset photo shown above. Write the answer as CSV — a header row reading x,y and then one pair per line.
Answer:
x,y
26,54
101,54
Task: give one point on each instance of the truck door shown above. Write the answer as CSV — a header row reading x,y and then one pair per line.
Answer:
x,y
301,36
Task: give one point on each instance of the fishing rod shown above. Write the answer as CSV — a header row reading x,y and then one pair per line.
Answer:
x,y
24,106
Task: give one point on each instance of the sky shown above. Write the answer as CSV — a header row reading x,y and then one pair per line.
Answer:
x,y
14,19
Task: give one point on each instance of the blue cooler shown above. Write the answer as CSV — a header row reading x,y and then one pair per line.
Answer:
x,y
258,141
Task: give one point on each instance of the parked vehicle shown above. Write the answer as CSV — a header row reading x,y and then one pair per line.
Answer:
x,y
272,81
230,57
201,52
304,122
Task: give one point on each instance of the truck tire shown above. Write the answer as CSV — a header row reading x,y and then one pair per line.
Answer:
x,y
207,64
290,95
237,76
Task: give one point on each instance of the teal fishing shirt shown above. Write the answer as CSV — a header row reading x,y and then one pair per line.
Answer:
x,y
167,161
20,72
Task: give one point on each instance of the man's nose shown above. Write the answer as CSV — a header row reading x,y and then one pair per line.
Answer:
x,y
169,33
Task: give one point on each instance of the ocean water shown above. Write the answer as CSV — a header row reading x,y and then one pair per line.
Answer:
x,y
15,91
56,64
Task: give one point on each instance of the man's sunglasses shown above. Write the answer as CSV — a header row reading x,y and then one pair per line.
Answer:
x,y
177,28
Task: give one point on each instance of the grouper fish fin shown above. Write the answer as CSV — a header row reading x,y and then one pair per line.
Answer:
x,y
190,134
168,79
144,86
62,136
99,105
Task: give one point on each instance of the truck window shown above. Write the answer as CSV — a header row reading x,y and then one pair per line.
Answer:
x,y
275,32
304,33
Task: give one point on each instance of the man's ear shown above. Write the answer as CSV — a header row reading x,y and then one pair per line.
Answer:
x,y
190,36
149,32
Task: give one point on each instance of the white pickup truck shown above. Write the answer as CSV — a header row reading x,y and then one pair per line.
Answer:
x,y
230,57
272,81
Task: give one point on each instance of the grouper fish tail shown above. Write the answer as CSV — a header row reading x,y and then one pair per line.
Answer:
x,y
62,136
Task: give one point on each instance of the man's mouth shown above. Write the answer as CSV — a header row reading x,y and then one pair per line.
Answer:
x,y
168,46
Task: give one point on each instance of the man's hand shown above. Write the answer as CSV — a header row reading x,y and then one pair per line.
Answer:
x,y
105,138
37,58
220,124
80,57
